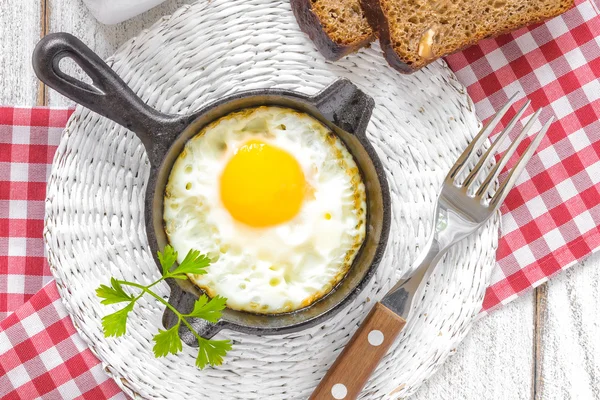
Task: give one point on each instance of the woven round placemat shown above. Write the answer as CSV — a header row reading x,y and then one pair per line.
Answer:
x,y
95,228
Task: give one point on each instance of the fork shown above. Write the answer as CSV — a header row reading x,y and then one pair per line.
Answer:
x,y
461,208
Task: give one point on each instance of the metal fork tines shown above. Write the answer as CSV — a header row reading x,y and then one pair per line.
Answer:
x,y
462,207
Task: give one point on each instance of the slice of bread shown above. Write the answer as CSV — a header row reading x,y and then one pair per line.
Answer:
x,y
337,27
413,33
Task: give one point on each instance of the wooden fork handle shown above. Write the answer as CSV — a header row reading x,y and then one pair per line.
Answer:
x,y
350,372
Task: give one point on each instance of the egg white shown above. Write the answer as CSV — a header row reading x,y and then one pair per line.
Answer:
x,y
274,269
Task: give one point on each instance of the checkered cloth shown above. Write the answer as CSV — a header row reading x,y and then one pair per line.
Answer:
x,y
28,140
550,220
552,217
41,355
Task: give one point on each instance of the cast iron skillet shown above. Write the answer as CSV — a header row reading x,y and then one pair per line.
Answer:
x,y
341,106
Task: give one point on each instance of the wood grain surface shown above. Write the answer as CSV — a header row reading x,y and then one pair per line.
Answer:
x,y
540,346
19,32
568,359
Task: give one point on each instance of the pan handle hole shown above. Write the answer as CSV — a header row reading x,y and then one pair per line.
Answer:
x,y
70,68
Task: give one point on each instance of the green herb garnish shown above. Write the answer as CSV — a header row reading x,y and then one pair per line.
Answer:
x,y
168,342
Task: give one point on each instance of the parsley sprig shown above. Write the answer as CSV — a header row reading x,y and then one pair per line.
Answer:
x,y
210,352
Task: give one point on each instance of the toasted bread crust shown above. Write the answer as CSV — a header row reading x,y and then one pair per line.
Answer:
x,y
377,19
311,25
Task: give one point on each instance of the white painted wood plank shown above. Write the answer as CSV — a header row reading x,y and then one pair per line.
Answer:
x,y
74,17
19,32
494,361
570,359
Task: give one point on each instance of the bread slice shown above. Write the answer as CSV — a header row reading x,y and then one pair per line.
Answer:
x,y
337,27
414,33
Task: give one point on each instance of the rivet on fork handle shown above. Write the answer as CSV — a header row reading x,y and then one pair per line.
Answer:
x,y
360,357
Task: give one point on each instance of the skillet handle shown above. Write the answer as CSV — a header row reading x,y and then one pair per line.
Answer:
x,y
344,104
108,95
350,372
184,302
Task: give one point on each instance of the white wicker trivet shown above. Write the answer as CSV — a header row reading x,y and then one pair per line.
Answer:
x,y
95,229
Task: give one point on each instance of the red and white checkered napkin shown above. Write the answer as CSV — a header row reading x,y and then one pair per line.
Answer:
x,y
28,140
41,355
550,220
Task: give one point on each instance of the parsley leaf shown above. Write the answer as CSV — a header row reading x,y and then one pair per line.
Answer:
x,y
208,310
211,352
166,342
113,294
115,324
194,263
167,258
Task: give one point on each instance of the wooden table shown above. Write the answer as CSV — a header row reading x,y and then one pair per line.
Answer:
x,y
545,345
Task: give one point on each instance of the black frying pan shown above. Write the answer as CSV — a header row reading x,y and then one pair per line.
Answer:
x,y
341,106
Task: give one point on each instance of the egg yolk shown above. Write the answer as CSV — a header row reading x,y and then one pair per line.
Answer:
x,y
262,185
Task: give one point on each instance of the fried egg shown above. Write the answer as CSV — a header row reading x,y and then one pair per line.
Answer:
x,y
275,200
